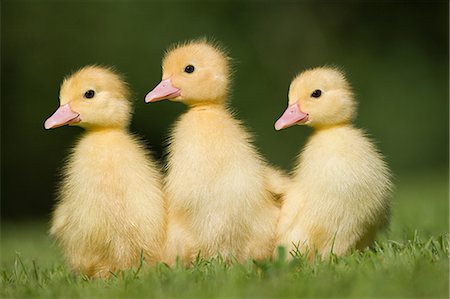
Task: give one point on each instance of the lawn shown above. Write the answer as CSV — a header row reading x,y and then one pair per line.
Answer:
x,y
409,261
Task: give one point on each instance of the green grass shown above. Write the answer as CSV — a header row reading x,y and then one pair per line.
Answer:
x,y
409,261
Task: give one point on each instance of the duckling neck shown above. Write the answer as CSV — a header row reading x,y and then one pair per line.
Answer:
x,y
206,105
106,130
332,126
214,102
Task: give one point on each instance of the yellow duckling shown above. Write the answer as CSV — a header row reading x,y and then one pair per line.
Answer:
x,y
339,196
111,204
219,202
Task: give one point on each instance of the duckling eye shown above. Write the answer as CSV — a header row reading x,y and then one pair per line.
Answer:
x,y
316,93
189,69
89,94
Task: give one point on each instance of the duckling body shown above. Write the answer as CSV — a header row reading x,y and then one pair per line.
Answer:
x,y
215,183
110,210
337,194
338,198
219,198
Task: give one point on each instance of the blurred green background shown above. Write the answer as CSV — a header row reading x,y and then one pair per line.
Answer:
x,y
395,55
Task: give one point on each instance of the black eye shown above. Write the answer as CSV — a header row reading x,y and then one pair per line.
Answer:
x,y
89,94
189,69
316,93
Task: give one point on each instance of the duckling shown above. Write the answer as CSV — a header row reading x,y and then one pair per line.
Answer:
x,y
339,195
217,185
110,211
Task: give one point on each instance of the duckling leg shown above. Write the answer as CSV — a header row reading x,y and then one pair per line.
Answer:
x,y
261,249
295,240
90,265
367,240
179,244
292,234
342,241
101,272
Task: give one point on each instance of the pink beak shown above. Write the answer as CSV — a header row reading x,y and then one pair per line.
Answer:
x,y
63,116
290,117
164,90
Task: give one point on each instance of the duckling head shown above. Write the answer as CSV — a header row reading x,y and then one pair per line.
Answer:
x,y
92,97
318,97
194,73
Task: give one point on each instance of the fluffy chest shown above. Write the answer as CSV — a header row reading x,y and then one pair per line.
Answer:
x,y
334,152
207,144
212,165
340,175
340,164
104,168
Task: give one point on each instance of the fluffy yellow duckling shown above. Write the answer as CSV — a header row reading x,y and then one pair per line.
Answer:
x,y
219,202
111,204
339,196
